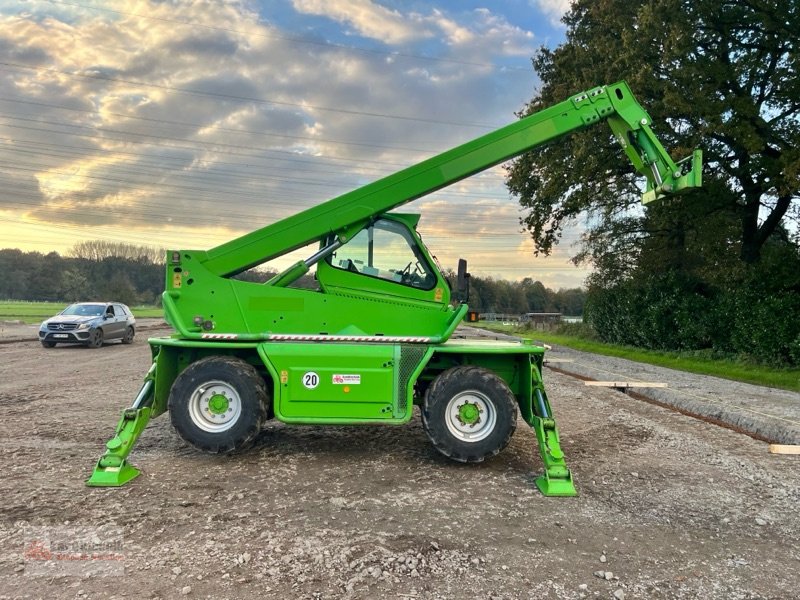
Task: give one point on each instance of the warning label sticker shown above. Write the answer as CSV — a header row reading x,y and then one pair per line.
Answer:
x,y
347,379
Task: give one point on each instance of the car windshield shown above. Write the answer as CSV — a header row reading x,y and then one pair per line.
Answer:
x,y
84,310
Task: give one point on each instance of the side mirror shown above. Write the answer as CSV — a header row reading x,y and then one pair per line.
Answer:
x,y
462,282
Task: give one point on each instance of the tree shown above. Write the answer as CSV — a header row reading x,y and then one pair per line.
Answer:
x,y
15,274
45,276
97,250
722,74
74,285
120,288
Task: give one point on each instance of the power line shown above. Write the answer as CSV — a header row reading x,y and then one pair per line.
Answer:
x,y
202,144
294,156
224,129
164,160
245,99
205,208
204,174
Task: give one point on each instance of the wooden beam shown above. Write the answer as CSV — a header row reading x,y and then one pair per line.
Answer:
x,y
784,449
626,384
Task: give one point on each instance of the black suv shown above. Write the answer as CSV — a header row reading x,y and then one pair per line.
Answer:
x,y
90,324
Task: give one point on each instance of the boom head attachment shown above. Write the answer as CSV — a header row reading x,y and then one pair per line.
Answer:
x,y
688,175
631,126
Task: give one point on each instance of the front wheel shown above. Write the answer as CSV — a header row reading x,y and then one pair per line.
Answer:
x,y
47,344
219,404
128,337
95,338
469,414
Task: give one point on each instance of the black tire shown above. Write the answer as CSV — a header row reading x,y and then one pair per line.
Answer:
x,y
491,416
128,337
47,344
95,338
194,416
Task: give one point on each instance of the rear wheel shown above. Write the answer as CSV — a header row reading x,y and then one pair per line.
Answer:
x,y
128,337
48,344
469,414
95,338
219,404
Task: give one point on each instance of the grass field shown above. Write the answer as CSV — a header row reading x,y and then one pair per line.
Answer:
x,y
787,379
35,312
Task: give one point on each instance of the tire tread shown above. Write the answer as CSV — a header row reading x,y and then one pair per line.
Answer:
x,y
441,438
231,440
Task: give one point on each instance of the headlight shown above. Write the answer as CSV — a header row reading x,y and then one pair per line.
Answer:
x,y
43,326
83,326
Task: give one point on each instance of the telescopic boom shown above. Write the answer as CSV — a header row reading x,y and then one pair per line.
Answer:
x,y
613,103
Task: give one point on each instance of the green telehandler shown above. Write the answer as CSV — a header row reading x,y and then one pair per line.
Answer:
x,y
374,339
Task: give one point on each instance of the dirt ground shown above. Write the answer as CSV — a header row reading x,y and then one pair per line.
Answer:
x,y
669,506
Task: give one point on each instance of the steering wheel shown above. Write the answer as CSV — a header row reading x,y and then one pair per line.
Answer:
x,y
405,273
412,278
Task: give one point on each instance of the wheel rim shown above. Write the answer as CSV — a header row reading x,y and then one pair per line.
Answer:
x,y
96,336
471,416
215,406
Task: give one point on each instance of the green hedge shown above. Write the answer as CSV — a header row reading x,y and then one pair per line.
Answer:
x,y
751,317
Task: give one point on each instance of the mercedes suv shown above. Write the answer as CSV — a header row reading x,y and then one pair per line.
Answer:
x,y
90,324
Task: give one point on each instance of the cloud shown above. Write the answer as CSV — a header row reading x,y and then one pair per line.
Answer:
x,y
555,9
20,189
481,34
368,18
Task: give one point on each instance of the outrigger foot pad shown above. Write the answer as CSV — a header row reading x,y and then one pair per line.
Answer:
x,y
113,470
556,487
112,476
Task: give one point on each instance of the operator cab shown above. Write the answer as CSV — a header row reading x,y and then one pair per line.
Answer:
x,y
385,257
386,250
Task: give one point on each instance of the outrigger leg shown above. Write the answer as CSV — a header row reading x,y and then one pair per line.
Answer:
x,y
113,470
557,478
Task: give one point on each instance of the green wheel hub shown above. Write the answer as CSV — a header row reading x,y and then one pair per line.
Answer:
x,y
469,413
218,404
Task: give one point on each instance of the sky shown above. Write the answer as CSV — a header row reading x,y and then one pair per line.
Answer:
x,y
184,124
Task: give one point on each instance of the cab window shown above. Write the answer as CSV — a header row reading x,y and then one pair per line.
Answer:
x,y
386,250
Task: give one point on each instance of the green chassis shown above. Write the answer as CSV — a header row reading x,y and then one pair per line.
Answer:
x,y
385,393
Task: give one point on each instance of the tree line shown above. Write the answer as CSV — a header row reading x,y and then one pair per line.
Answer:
x,y
120,274
489,295
131,274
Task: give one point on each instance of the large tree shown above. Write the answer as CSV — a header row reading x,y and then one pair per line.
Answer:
x,y
719,74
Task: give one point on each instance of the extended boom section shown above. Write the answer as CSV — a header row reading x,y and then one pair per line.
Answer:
x,y
374,339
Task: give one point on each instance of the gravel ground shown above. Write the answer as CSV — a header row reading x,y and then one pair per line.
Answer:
x,y
768,413
669,506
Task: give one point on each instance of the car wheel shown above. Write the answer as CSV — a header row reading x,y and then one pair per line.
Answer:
x,y
469,414
95,338
48,344
219,404
128,337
